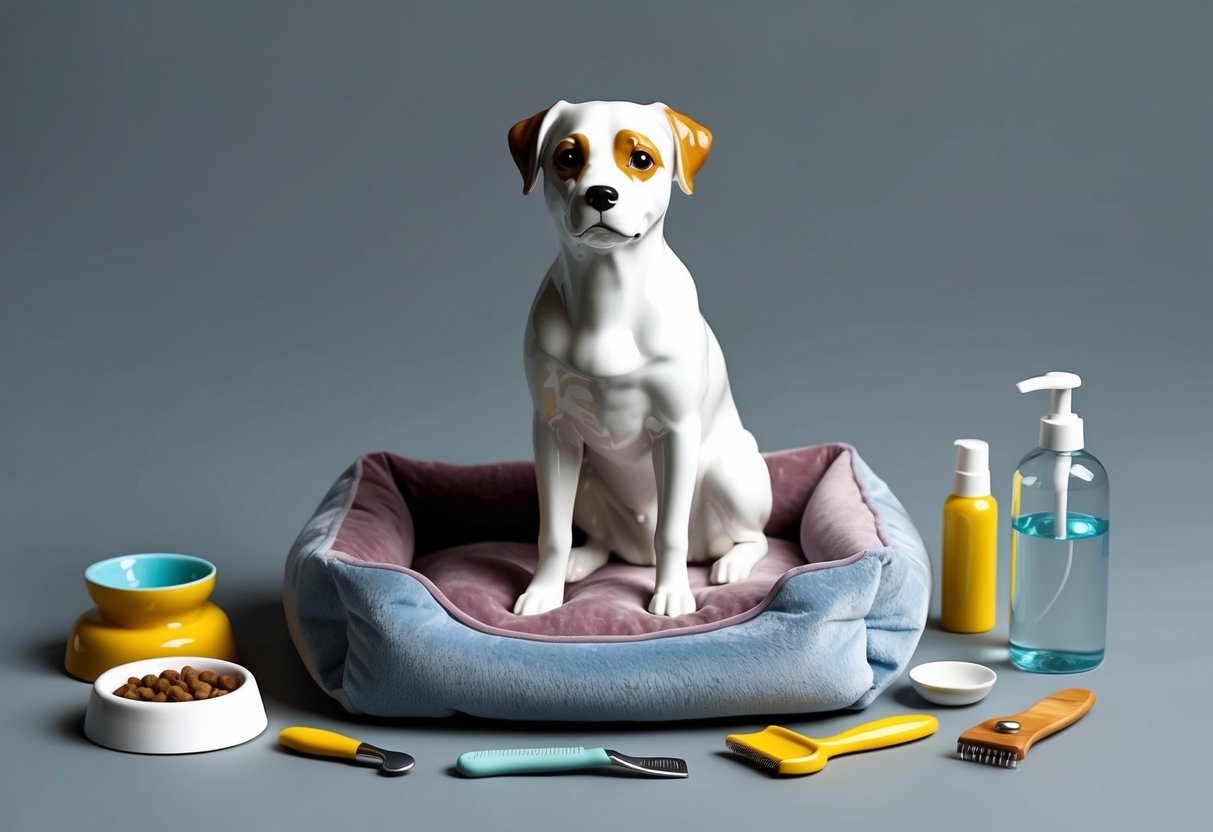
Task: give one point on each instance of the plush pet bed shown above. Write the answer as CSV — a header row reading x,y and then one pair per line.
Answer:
x,y
399,592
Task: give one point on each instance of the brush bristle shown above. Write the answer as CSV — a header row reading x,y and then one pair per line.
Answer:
x,y
974,753
753,755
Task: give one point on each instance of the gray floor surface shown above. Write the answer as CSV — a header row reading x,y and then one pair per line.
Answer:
x,y
242,243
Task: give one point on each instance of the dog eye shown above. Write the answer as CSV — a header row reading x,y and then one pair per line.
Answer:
x,y
569,159
640,160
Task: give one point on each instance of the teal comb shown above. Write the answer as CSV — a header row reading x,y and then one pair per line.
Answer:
x,y
548,760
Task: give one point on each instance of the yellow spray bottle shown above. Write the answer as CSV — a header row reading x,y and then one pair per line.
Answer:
x,y
970,544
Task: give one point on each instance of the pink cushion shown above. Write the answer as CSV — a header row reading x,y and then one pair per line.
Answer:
x,y
468,533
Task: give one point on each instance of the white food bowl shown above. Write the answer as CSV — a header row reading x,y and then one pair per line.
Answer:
x,y
953,683
173,727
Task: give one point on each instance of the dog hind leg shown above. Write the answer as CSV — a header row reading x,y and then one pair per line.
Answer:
x,y
737,488
587,559
735,564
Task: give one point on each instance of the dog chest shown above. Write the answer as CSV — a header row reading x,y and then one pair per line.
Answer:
x,y
606,412
609,353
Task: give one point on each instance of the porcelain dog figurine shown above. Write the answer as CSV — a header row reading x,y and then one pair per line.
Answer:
x,y
637,438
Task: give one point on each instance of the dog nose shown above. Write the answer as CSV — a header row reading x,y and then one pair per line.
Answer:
x,y
601,198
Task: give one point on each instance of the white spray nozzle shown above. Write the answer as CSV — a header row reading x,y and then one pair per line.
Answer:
x,y
972,468
1061,429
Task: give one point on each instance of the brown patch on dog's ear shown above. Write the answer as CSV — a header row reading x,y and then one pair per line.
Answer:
x,y
524,147
692,141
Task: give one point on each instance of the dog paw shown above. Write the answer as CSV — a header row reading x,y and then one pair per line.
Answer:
x,y
730,570
538,599
585,560
672,602
735,565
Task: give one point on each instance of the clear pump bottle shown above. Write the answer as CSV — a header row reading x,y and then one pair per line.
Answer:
x,y
1059,543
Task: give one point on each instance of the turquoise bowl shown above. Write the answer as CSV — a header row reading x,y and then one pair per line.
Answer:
x,y
141,590
149,571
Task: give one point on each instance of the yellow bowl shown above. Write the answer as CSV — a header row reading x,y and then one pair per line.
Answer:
x,y
148,605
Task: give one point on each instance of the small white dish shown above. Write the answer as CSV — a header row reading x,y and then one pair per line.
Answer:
x,y
953,683
173,727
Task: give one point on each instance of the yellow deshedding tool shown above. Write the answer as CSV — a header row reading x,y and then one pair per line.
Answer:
x,y
781,750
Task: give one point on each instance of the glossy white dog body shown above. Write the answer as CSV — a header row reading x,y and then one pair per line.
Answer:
x,y
637,439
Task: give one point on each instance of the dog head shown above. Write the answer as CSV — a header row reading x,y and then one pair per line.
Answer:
x,y
608,165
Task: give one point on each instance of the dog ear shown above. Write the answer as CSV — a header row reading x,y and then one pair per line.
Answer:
x,y
692,141
526,137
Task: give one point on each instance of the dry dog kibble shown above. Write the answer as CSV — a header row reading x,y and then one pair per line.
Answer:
x,y
186,685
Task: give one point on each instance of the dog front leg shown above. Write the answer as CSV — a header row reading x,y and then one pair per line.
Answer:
x,y
676,459
557,470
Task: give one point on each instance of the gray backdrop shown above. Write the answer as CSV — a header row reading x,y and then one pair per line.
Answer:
x,y
241,244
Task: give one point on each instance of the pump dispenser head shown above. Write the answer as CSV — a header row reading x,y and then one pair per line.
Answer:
x,y
972,468
1061,432
1061,429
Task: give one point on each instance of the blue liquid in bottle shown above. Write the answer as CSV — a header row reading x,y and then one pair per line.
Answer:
x,y
1059,592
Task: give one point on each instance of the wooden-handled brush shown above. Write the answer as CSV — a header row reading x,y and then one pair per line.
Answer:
x,y
1005,741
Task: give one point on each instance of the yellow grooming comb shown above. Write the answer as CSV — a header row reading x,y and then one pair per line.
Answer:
x,y
781,750
321,743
